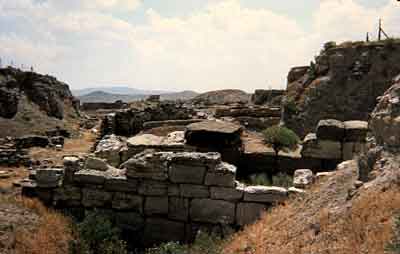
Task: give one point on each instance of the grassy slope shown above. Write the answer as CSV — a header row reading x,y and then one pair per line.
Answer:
x,y
332,218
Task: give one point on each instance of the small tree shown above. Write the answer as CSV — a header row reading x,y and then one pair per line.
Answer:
x,y
281,139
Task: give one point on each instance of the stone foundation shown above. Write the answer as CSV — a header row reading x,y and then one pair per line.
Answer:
x,y
159,196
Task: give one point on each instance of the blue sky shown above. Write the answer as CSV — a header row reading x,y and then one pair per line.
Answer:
x,y
181,44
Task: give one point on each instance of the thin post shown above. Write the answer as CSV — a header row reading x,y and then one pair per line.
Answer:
x,y
380,29
367,39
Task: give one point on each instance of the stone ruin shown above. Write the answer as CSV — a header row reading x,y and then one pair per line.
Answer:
x,y
157,196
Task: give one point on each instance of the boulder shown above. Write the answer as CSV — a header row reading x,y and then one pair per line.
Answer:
x,y
303,178
321,149
71,166
95,163
265,194
355,131
109,149
212,211
148,166
213,133
330,129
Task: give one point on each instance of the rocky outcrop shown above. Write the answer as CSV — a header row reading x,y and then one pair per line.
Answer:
x,y
343,84
267,97
159,196
222,97
28,96
385,121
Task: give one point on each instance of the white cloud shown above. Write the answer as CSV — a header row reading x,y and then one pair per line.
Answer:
x,y
224,45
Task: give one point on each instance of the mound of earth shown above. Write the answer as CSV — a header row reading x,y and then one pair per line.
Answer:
x,y
222,97
34,103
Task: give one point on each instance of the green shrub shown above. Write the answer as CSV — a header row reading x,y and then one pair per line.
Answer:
x,y
394,245
280,138
203,244
259,179
280,179
98,235
290,106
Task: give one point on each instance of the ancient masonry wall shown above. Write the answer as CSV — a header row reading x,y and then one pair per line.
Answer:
x,y
159,196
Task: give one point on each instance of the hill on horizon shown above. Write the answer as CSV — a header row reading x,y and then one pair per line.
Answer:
x,y
119,90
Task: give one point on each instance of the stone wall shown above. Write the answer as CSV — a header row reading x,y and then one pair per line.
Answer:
x,y
130,122
267,97
158,196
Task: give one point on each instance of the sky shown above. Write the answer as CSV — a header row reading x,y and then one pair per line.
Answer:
x,y
176,45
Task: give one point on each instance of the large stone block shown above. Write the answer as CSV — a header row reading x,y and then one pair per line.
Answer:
x,y
229,194
330,129
351,149
95,197
48,177
194,158
124,201
95,163
174,190
156,205
223,174
303,178
71,166
248,213
355,131
67,196
120,183
265,194
89,176
153,188
178,208
108,148
181,173
212,211
321,149
159,230
148,166
194,191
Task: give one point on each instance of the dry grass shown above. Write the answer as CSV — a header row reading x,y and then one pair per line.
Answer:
x,y
365,227
75,146
51,236
16,173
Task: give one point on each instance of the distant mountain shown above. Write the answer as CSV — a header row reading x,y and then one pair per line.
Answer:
x,y
120,90
101,96
221,97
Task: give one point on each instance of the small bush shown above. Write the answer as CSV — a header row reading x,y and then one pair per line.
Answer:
x,y
290,106
394,245
280,179
281,138
98,235
203,244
